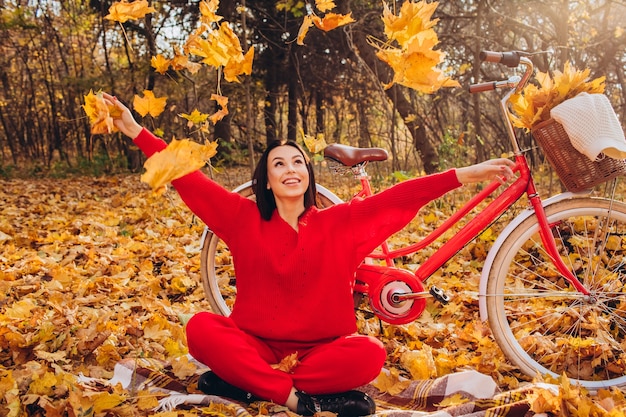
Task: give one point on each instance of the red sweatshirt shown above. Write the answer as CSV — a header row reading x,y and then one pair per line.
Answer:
x,y
297,286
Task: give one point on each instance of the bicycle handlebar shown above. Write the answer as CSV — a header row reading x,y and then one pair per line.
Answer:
x,y
510,59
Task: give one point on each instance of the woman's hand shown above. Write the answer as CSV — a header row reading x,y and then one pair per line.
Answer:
x,y
125,122
500,169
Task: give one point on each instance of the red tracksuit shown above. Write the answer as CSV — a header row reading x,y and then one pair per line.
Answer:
x,y
294,288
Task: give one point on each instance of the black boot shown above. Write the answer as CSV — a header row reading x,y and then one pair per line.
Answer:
x,y
211,384
344,404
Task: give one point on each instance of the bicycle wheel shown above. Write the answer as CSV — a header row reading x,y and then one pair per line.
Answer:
x,y
216,266
539,320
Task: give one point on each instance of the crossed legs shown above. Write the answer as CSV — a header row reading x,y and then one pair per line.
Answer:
x,y
245,361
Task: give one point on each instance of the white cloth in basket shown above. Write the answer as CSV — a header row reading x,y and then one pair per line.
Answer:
x,y
592,125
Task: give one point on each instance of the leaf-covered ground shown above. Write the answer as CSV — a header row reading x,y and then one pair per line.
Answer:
x,y
93,271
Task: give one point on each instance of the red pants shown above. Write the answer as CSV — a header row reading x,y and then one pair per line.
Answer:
x,y
244,361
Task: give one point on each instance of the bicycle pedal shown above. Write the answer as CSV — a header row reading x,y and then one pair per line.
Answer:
x,y
439,295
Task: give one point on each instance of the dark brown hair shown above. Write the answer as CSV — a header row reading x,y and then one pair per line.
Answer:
x,y
265,200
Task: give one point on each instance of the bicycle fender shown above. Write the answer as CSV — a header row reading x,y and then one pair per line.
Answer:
x,y
482,289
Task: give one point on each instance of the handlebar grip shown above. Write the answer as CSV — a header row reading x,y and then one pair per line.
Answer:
x,y
510,59
478,88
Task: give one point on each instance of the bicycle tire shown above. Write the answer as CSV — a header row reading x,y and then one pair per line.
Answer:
x,y
542,324
216,268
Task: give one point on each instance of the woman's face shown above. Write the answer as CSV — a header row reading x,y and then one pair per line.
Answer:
x,y
287,174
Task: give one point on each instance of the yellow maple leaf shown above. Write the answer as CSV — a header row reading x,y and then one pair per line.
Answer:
x,y
208,11
391,382
149,104
415,66
324,5
414,61
44,385
100,114
195,118
179,158
420,363
103,401
183,368
314,144
235,67
412,19
147,400
331,21
122,11
160,63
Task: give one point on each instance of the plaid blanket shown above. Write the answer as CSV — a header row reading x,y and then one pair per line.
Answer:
x,y
466,393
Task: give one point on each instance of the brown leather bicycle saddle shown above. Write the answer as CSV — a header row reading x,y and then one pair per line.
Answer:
x,y
351,156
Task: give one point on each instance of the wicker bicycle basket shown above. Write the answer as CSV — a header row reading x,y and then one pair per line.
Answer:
x,y
576,171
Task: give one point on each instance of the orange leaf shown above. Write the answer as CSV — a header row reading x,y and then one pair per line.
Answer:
x,y
307,23
123,11
149,104
332,21
220,114
180,62
288,363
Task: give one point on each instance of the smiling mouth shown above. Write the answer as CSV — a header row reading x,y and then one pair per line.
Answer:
x,y
291,181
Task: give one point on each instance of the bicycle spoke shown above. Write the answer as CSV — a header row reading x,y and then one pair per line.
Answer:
x,y
559,329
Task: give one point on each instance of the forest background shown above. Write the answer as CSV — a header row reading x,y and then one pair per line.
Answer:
x,y
99,270
55,52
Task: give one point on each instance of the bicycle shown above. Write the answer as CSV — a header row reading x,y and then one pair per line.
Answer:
x,y
553,284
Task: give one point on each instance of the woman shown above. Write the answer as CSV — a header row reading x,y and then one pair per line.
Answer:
x,y
295,268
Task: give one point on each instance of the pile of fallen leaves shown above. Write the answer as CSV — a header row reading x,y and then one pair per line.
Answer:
x,y
93,271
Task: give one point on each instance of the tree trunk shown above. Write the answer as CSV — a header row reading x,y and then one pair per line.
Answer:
x,y
294,96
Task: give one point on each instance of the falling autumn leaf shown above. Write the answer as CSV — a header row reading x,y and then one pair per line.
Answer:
x,y
414,61
195,118
178,159
315,144
413,18
160,63
222,101
307,23
122,11
208,11
331,21
149,104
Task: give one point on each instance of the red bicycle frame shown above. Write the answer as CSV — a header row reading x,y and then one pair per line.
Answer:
x,y
524,184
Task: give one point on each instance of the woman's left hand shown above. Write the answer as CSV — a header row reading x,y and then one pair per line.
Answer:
x,y
500,169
